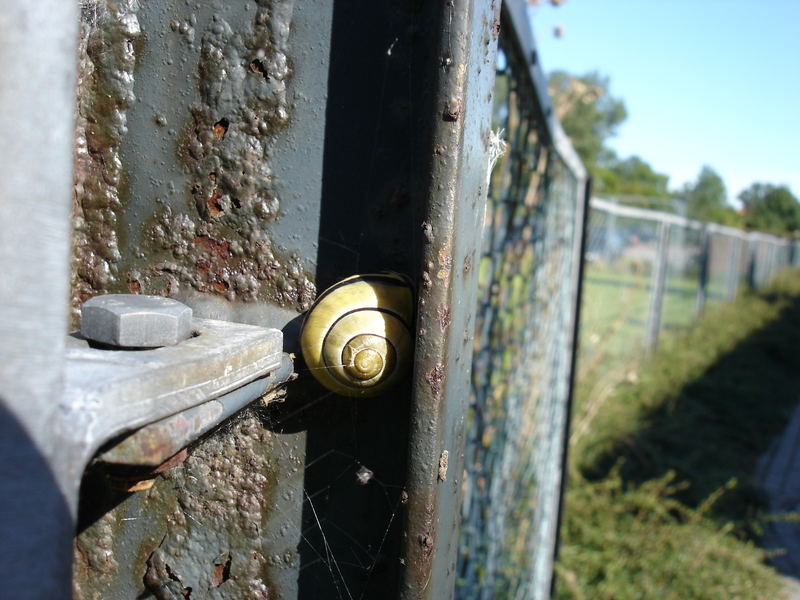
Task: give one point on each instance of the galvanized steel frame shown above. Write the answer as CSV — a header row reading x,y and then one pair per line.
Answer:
x,y
38,41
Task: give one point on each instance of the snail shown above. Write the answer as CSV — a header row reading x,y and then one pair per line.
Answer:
x,y
356,338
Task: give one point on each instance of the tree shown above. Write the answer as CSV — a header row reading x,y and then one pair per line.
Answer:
x,y
770,208
588,113
706,196
706,200
631,176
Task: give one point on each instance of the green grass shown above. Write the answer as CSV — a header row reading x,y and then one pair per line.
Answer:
x,y
613,323
661,503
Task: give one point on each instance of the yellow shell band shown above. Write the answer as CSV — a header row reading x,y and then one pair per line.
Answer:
x,y
356,338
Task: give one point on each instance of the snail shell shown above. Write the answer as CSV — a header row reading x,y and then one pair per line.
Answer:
x,y
356,338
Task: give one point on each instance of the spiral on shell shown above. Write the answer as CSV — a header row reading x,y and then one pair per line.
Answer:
x,y
356,338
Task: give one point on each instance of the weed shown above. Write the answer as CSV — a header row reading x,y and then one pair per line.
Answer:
x,y
661,501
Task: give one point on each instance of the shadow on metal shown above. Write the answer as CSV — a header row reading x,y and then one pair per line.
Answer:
x,y
356,450
36,527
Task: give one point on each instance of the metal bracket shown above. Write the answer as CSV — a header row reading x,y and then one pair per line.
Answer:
x,y
153,444
163,394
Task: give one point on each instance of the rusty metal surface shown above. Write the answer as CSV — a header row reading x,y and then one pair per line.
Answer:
x,y
238,156
181,107
153,444
452,229
222,524
111,392
186,113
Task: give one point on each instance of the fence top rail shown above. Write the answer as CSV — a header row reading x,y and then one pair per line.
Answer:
x,y
636,212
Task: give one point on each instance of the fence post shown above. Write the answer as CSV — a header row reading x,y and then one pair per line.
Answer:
x,y
611,226
770,261
751,263
705,256
775,264
734,264
657,288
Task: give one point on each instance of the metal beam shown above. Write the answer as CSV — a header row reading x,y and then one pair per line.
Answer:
x,y
38,45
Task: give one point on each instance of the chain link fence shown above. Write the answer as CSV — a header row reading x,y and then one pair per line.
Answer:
x,y
649,272
645,272
522,346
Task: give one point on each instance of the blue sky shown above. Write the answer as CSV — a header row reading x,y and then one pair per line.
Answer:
x,y
712,82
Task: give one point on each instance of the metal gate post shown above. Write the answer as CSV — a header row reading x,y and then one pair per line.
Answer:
x,y
448,297
657,286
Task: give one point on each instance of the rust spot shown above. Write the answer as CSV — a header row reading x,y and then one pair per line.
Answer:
x,y
172,461
444,458
495,24
221,248
452,109
185,591
214,206
257,66
445,263
203,266
134,287
426,541
222,572
220,286
130,485
434,378
220,129
426,280
141,480
443,314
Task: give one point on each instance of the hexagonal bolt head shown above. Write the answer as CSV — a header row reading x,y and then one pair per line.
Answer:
x,y
135,321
